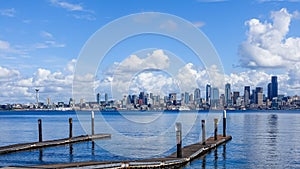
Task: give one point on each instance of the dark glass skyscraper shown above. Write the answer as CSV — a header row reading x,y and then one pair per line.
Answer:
x,y
208,93
270,91
274,88
228,94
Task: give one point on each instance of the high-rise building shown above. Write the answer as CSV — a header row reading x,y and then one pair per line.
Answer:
x,y
228,100
274,88
247,95
208,94
215,97
222,100
236,95
197,96
186,98
98,98
259,96
270,91
106,98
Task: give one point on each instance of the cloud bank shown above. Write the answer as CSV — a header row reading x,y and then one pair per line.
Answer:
x,y
267,44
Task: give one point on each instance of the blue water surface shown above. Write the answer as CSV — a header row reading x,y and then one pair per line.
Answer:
x,y
261,139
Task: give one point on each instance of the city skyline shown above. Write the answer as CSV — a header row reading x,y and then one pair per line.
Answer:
x,y
39,45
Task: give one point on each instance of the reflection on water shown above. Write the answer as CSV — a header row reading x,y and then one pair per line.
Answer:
x,y
216,158
71,152
41,155
204,162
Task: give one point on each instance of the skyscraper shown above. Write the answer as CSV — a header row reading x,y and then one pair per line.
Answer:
x,y
270,91
274,88
228,94
208,93
215,97
98,98
247,95
106,98
197,95
186,98
235,97
259,96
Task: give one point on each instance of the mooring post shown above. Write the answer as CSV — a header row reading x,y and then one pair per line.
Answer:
x,y
203,132
93,122
216,128
40,130
224,123
70,128
178,139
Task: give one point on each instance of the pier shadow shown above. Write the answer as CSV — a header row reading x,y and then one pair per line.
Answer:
x,y
216,158
41,155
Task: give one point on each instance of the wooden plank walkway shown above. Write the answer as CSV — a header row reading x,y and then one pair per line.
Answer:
x,y
50,143
189,153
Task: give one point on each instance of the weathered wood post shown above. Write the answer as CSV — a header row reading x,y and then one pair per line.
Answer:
x,y
40,130
178,139
224,123
216,128
203,132
93,122
70,128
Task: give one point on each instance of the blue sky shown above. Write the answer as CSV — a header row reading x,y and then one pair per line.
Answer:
x,y
41,40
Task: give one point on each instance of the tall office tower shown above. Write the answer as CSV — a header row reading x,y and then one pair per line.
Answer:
x,y
106,98
228,100
197,96
270,91
259,96
235,97
98,98
247,95
274,88
208,94
252,96
215,97
186,98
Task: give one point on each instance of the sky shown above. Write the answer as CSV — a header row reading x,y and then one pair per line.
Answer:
x,y
41,41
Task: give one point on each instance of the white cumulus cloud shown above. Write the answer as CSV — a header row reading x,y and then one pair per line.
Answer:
x,y
267,44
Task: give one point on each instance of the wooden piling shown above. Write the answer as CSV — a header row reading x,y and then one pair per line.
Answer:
x,y
216,129
224,123
178,129
40,130
93,122
203,131
70,128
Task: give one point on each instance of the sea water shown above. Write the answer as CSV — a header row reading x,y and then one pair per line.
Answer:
x,y
261,139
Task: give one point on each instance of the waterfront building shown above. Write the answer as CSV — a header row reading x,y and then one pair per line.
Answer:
x,y
235,97
106,98
173,98
274,88
98,98
269,91
208,94
186,98
259,96
247,96
228,100
215,102
197,96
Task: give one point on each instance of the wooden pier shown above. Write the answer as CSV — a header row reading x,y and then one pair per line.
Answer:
x,y
50,143
189,153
